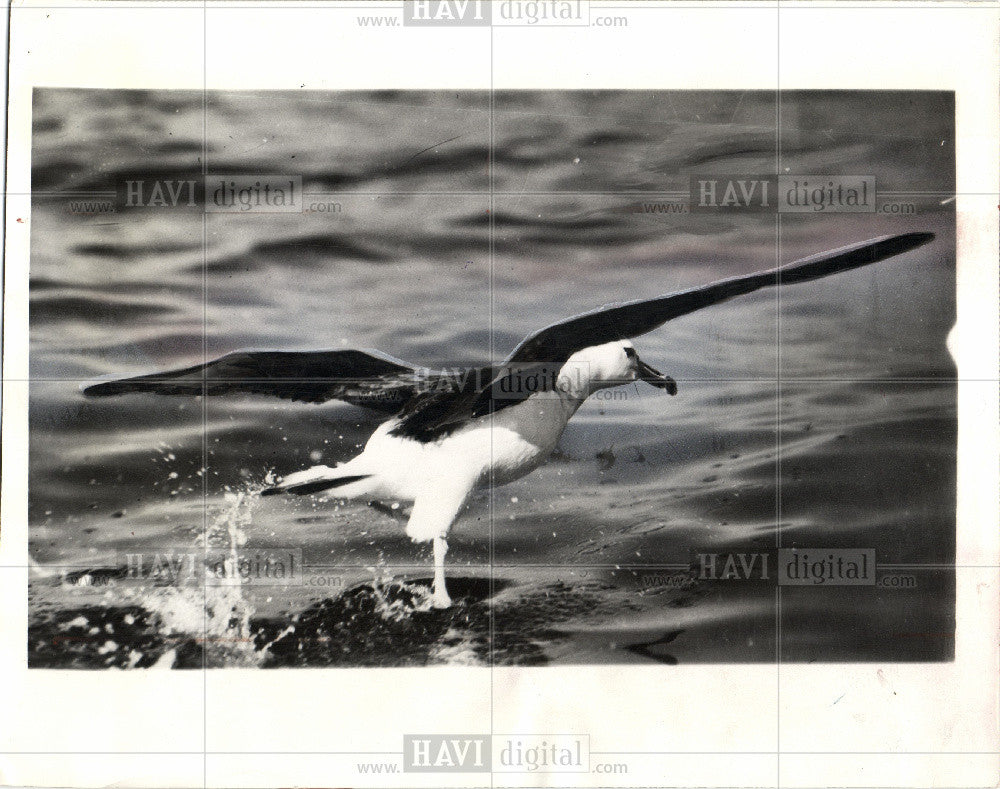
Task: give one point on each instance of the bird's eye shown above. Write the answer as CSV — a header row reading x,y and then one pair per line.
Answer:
x,y
630,353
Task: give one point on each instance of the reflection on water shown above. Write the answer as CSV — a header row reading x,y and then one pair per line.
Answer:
x,y
853,446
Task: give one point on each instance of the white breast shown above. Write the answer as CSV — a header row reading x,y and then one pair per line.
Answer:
x,y
515,441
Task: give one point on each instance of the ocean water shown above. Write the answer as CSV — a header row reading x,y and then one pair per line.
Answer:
x,y
817,417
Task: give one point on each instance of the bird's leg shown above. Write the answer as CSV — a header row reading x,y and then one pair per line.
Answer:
x,y
441,598
433,513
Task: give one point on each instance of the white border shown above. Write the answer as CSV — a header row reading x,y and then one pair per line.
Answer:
x,y
914,710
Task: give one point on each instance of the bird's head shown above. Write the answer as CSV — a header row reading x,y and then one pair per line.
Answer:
x,y
611,364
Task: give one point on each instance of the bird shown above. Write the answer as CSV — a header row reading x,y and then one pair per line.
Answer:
x,y
446,435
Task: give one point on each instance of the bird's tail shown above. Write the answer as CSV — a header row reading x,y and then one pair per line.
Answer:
x,y
318,479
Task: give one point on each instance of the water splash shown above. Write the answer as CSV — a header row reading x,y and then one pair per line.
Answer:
x,y
397,599
227,611
215,610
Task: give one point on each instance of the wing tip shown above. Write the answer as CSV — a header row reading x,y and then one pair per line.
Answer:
x,y
907,241
100,388
119,386
873,249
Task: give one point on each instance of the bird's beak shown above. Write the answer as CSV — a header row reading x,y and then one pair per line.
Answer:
x,y
655,378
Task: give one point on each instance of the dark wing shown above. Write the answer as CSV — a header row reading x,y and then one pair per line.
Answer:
x,y
444,407
556,343
356,377
540,356
434,414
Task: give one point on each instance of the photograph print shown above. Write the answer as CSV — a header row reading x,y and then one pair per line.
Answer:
x,y
414,378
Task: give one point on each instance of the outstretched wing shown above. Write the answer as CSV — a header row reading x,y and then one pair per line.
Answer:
x,y
556,343
542,353
357,377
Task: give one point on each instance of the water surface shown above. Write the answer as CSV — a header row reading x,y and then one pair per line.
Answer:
x,y
822,416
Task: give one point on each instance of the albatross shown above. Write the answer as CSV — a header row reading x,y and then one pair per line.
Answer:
x,y
444,436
